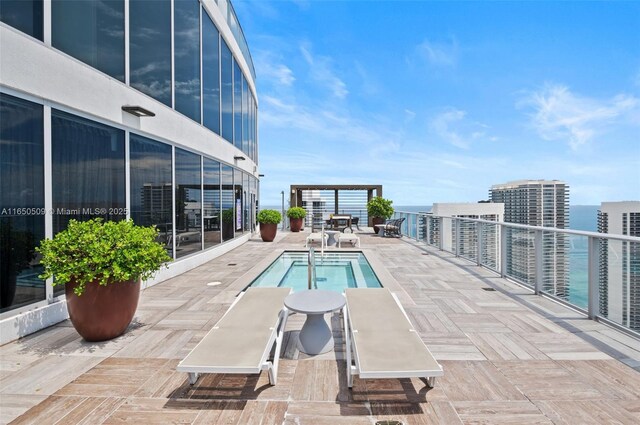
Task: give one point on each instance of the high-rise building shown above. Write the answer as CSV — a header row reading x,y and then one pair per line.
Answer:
x,y
620,263
467,239
542,203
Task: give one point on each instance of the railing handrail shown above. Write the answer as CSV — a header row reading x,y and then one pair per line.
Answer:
x,y
527,227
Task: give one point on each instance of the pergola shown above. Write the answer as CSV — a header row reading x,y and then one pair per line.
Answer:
x,y
345,193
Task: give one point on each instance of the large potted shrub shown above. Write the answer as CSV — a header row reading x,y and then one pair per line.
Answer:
x,y
379,209
296,218
269,220
101,265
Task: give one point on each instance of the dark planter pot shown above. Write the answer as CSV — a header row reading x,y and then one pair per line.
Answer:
x,y
227,231
268,231
377,220
102,312
296,224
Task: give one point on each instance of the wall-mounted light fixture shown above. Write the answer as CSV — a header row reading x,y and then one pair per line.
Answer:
x,y
239,158
260,175
138,111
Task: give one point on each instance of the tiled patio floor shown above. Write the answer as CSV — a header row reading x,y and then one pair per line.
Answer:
x,y
509,357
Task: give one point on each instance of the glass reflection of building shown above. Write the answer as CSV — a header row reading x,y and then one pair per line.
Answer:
x,y
69,151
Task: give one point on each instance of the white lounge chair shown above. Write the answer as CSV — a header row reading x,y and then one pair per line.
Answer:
x,y
242,339
381,340
348,237
317,237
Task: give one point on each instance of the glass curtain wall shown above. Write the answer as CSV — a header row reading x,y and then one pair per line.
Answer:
x,y
88,171
24,15
210,74
228,200
237,105
21,202
248,202
186,17
211,205
91,31
151,188
245,116
226,66
188,203
150,48
238,200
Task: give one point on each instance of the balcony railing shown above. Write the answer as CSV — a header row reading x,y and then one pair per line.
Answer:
x,y
595,273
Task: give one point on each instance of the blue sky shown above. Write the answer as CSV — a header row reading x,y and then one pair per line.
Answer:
x,y
437,101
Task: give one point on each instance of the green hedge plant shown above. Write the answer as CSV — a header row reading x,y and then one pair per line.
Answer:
x,y
296,212
380,207
269,217
104,252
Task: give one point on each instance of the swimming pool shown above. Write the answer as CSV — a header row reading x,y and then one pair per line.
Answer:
x,y
335,271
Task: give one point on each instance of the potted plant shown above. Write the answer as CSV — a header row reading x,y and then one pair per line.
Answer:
x,y
101,265
379,209
227,224
296,218
268,220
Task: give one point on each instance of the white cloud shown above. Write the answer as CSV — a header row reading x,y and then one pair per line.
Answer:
x,y
320,70
559,114
439,53
453,127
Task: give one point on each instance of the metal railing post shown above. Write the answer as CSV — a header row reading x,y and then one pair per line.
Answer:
x,y
593,293
480,242
539,263
456,241
503,250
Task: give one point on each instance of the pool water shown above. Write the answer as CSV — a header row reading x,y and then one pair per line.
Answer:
x,y
334,271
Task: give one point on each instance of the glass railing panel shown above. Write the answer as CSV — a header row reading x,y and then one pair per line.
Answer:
x,y
467,239
619,282
578,270
555,265
520,255
490,258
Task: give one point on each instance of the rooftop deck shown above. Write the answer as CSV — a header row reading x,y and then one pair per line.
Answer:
x,y
509,357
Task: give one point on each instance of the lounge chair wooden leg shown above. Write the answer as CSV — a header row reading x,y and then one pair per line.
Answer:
x,y
193,378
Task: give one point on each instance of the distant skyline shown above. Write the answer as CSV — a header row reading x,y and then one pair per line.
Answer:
x,y
437,101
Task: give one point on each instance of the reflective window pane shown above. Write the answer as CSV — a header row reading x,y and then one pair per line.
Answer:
x,y
228,202
21,202
237,105
186,17
150,48
188,203
88,171
239,201
227,91
245,202
245,116
210,74
25,15
150,175
91,31
211,206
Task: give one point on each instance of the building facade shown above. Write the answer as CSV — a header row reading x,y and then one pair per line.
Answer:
x,y
619,278
121,109
543,203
